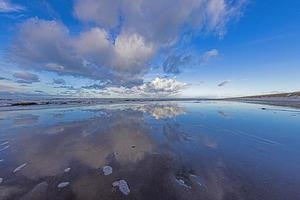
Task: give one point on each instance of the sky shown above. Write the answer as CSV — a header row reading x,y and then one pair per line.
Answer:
x,y
141,48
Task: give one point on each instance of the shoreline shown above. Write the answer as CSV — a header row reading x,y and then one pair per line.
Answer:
x,y
281,103
50,103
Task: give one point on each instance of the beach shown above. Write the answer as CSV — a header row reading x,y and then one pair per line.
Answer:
x,y
150,150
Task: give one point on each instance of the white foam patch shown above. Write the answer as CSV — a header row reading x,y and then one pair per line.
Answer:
x,y
123,186
107,170
20,167
4,143
67,169
4,148
182,183
196,179
63,184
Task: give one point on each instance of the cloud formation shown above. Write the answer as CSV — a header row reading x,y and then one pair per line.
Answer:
x,y
139,16
6,7
208,55
95,86
224,83
159,87
9,88
119,39
3,78
26,77
174,64
59,81
47,45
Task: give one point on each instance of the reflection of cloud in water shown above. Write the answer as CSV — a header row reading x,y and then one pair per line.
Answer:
x,y
161,111
27,119
208,141
151,163
50,154
173,133
55,129
7,191
223,114
58,115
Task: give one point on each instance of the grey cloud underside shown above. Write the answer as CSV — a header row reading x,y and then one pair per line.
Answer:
x,y
223,83
175,64
59,81
26,77
159,87
47,45
39,91
144,28
95,86
3,78
68,87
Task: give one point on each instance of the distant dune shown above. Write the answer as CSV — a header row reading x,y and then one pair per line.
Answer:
x,y
281,95
291,99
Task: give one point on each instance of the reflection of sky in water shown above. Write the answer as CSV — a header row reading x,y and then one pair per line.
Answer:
x,y
212,150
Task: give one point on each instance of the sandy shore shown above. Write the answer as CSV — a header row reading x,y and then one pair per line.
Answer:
x,y
275,101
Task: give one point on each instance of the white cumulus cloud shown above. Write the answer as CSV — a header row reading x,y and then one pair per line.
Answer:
x,y
159,87
120,38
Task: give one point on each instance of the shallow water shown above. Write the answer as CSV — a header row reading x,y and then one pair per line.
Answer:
x,y
158,150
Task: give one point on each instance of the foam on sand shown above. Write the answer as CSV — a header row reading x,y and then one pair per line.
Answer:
x,y
107,170
20,167
67,169
4,148
123,186
63,184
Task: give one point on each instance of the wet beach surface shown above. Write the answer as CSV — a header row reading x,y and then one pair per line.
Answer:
x,y
210,150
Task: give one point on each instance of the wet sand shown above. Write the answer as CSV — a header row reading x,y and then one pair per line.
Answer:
x,y
281,103
159,150
284,100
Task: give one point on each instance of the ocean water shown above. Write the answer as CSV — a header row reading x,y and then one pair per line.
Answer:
x,y
151,150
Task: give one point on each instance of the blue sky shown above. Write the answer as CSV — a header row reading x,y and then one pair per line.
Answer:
x,y
118,48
